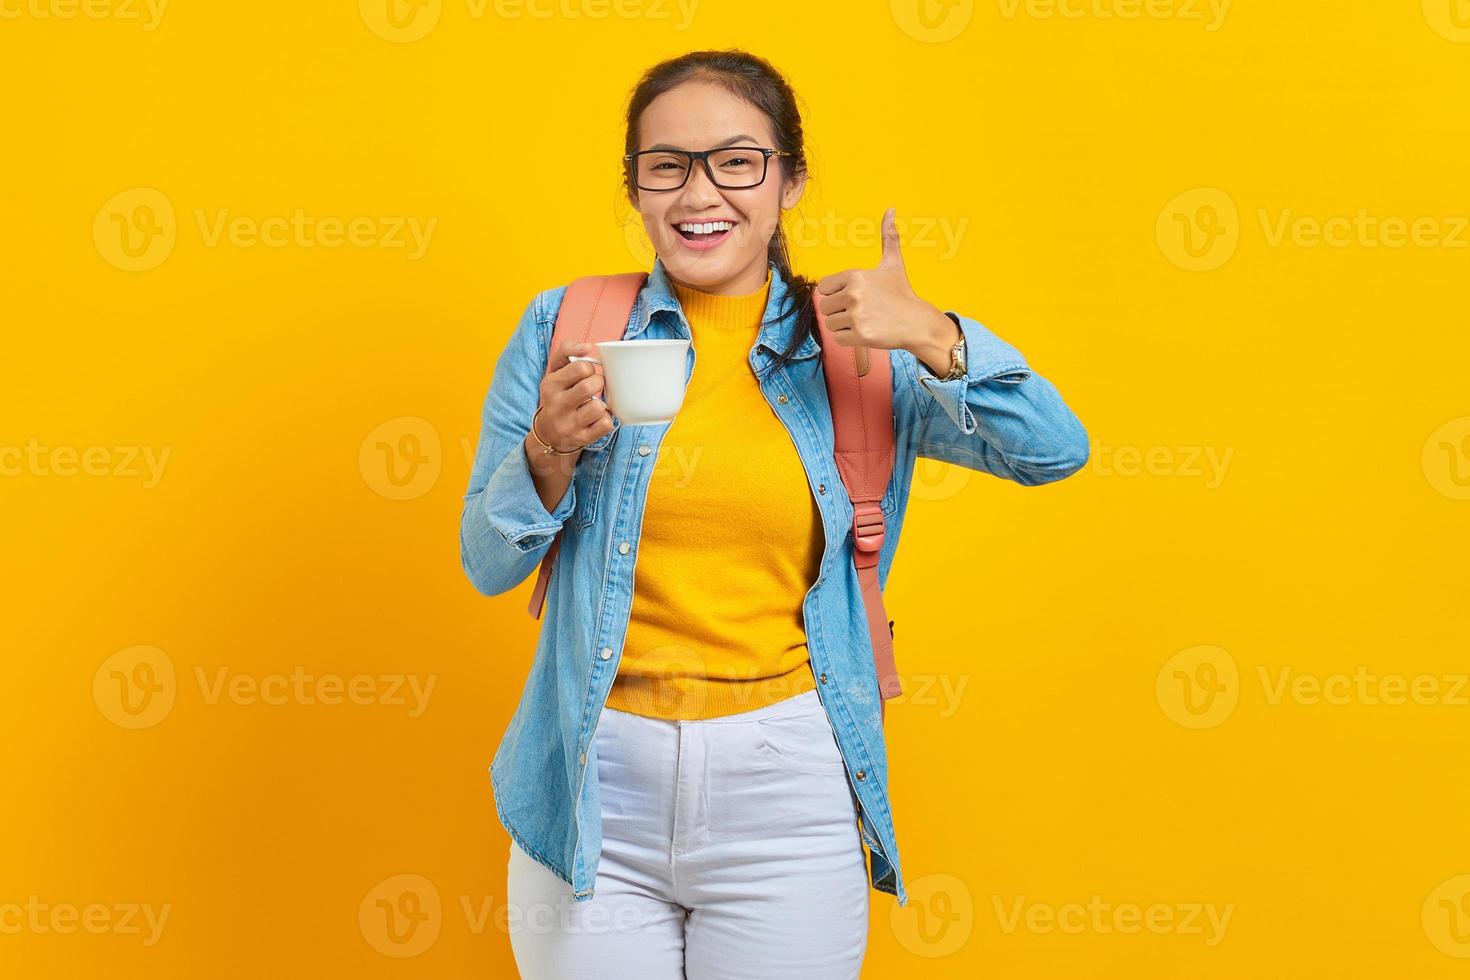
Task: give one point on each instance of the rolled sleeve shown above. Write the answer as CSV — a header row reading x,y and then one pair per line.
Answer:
x,y
514,509
999,417
987,358
504,527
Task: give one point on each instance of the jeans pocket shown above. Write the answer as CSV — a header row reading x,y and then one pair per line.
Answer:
x,y
800,742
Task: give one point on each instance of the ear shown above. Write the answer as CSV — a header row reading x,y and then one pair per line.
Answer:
x,y
792,191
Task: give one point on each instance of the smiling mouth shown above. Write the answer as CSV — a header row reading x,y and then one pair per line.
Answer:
x,y
704,232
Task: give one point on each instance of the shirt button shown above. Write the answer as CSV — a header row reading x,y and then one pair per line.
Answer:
x,y
643,450
606,653
781,399
821,488
822,678
582,758
860,774
623,548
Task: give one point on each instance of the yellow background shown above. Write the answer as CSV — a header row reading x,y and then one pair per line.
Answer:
x,y
1112,724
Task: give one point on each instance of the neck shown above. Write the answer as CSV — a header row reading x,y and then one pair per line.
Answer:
x,y
720,312
743,283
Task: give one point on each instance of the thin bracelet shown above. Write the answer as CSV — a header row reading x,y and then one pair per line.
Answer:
x,y
546,447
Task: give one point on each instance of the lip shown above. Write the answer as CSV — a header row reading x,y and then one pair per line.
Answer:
x,y
706,245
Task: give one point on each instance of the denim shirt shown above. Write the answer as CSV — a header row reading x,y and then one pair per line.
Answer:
x,y
999,418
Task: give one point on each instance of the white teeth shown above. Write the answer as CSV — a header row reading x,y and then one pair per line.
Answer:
x,y
705,228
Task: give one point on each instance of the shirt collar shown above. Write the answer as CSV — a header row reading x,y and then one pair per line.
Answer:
x,y
776,330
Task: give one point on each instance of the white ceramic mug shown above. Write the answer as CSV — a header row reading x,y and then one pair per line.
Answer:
x,y
643,380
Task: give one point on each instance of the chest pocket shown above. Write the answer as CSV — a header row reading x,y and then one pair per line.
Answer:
x,y
588,477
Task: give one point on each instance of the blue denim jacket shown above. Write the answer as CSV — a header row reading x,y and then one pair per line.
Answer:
x,y
1000,418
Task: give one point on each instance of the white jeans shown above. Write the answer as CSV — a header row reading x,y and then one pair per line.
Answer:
x,y
730,851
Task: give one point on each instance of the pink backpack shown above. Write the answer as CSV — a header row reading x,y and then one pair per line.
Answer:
x,y
860,392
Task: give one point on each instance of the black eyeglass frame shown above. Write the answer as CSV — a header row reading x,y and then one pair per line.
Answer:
x,y
631,161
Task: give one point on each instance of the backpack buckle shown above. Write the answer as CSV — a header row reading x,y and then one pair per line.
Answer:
x,y
867,533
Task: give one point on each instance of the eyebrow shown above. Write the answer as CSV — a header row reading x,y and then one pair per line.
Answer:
x,y
743,138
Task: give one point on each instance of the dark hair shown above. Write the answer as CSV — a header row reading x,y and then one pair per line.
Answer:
x,y
758,82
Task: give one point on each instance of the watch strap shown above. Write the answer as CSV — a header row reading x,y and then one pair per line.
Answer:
x,y
956,360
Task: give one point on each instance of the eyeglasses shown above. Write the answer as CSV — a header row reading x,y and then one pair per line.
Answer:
x,y
739,167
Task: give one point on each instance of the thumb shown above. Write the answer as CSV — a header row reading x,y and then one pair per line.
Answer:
x,y
892,253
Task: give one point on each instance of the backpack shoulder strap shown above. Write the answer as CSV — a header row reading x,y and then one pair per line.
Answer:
x,y
860,392
593,309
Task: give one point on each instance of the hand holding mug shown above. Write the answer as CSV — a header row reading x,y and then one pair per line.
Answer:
x,y
645,378
573,413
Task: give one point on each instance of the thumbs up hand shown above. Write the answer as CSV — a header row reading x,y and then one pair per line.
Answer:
x,y
878,308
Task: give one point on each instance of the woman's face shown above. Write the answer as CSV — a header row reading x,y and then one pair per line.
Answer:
x,y
701,116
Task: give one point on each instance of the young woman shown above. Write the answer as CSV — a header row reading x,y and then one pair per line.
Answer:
x,y
697,758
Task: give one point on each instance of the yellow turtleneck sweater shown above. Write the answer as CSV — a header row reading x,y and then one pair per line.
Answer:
x,y
731,539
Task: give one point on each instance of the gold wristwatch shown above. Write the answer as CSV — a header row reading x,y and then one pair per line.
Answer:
x,y
956,357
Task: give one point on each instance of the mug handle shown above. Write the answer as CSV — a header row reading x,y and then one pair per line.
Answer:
x,y
589,360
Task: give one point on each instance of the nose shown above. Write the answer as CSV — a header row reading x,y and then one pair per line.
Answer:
x,y
698,191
